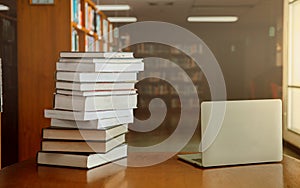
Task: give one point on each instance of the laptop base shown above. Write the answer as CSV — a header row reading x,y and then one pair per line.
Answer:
x,y
194,159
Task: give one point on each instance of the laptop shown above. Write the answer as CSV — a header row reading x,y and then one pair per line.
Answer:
x,y
251,132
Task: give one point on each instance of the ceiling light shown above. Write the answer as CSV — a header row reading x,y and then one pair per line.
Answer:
x,y
122,19
3,7
212,19
113,7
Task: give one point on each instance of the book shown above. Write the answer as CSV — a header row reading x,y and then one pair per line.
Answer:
x,y
74,12
91,124
82,86
96,55
111,36
85,116
75,40
82,146
98,25
95,93
89,43
103,134
56,174
81,160
98,60
97,77
100,67
94,103
86,7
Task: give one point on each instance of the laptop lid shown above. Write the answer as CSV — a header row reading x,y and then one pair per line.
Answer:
x,y
251,132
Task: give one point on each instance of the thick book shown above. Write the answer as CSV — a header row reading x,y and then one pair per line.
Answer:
x,y
113,170
96,77
82,146
85,116
95,93
95,103
96,55
91,124
82,86
98,60
100,67
81,160
84,134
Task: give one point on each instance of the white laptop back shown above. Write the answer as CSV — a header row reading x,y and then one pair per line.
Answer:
x,y
251,133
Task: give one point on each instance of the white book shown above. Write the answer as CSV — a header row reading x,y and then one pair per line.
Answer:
x,y
81,86
82,146
104,134
96,55
103,60
100,67
91,124
85,116
94,103
115,172
81,160
97,77
95,93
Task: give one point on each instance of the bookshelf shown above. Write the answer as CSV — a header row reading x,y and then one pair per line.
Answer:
x,y
89,27
156,88
44,31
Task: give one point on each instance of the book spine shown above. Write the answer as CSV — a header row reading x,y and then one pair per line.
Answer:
x,y
86,15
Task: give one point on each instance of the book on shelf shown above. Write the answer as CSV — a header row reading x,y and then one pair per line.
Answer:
x,y
96,77
97,45
105,30
89,17
89,43
96,55
100,67
80,21
82,146
105,46
86,10
98,25
81,160
95,22
111,36
94,103
95,93
75,40
85,116
100,60
81,86
103,134
75,7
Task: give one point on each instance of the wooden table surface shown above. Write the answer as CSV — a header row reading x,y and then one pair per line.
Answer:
x,y
171,173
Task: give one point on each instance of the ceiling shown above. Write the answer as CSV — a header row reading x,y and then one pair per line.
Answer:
x,y
176,11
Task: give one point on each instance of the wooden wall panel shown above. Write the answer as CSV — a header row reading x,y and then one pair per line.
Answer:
x,y
43,31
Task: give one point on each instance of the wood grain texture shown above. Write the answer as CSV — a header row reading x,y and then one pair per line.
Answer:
x,y
43,31
171,173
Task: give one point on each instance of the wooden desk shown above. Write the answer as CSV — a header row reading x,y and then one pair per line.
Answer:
x,y
172,173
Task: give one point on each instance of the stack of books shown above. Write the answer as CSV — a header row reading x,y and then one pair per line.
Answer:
x,y
93,104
